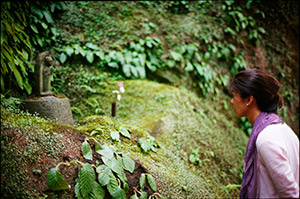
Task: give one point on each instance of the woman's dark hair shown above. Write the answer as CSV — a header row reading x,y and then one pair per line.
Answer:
x,y
262,86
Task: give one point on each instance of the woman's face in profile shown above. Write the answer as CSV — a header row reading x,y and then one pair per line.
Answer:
x,y
239,105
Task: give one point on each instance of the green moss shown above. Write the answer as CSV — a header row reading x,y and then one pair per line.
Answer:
x,y
181,122
24,139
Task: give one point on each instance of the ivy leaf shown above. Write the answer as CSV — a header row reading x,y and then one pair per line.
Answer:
x,y
56,181
151,182
62,58
100,54
142,72
150,66
92,46
89,56
86,179
124,132
134,72
142,181
189,67
115,135
79,49
176,56
69,50
113,65
87,150
128,163
126,69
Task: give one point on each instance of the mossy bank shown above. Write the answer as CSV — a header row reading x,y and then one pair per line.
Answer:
x,y
184,126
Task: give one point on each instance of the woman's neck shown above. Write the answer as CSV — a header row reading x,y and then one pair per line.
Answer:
x,y
252,114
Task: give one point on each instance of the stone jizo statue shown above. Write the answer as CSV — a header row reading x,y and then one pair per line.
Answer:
x,y
43,71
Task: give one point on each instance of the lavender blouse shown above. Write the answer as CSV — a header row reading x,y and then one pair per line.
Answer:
x,y
277,162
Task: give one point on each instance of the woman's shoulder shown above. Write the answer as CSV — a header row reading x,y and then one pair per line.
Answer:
x,y
276,134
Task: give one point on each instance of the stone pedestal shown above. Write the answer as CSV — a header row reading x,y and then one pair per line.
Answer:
x,y
55,108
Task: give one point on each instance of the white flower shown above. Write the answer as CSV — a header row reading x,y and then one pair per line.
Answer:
x,y
122,89
119,97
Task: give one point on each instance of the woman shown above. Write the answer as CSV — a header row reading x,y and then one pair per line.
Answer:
x,y
271,168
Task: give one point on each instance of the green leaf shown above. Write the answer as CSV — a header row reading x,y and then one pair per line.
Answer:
x,y
142,72
153,59
176,56
45,26
98,191
100,54
151,182
17,75
144,195
124,132
189,67
142,58
115,135
106,152
86,179
128,163
148,144
89,56
48,16
126,69
69,50
119,193
79,49
134,196
262,30
97,145
170,63
27,86
62,58
104,174
87,150
142,181
33,27
113,164
56,181
134,72
112,185
92,46
113,65
150,66
36,11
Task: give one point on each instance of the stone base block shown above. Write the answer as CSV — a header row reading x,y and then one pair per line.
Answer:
x,y
55,108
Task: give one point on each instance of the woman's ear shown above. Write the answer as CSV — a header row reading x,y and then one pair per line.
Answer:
x,y
250,100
